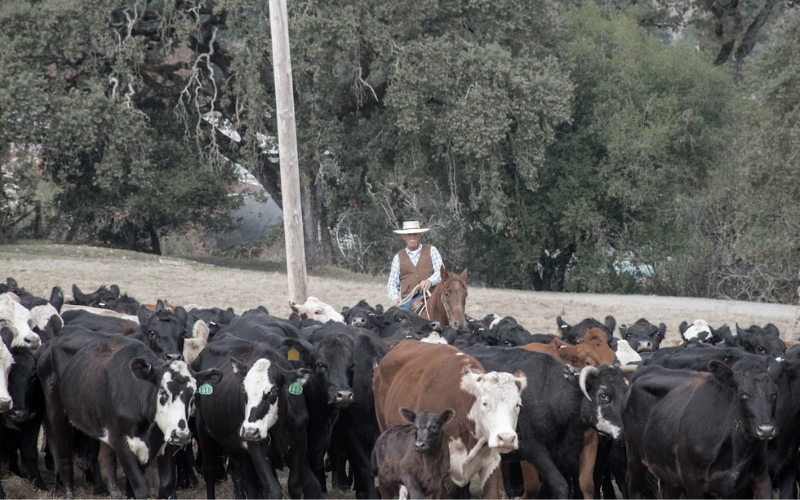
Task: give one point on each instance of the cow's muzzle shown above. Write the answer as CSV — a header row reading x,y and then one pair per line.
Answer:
x,y
344,398
765,432
180,438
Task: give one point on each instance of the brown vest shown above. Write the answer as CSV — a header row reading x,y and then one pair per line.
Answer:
x,y
411,275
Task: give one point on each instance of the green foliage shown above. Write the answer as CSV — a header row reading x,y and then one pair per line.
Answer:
x,y
75,83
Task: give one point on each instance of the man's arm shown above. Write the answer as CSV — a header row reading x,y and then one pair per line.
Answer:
x,y
436,277
393,286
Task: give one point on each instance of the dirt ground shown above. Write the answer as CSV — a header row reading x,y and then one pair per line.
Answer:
x,y
39,267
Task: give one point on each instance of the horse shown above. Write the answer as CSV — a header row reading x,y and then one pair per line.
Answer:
x,y
448,299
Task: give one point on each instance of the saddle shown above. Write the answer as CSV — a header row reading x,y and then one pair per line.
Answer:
x,y
417,305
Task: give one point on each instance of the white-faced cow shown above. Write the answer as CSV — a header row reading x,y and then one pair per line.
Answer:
x,y
437,377
15,320
115,390
313,308
255,415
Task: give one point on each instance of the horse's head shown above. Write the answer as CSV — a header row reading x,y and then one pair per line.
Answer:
x,y
452,291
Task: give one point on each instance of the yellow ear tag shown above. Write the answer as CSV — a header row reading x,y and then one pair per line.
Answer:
x,y
293,355
558,333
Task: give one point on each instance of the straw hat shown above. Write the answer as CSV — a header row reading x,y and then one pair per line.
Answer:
x,y
412,227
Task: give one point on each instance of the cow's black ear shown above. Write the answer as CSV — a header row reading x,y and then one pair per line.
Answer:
x,y
446,416
683,327
57,298
344,310
228,315
772,330
739,330
239,368
212,376
408,414
143,315
115,290
721,371
379,309
180,312
159,305
141,369
11,283
662,330
611,323
623,330
77,295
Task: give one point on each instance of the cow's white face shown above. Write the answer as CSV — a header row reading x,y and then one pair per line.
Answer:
x,y
261,406
625,353
318,310
6,360
40,316
14,317
496,408
175,394
698,327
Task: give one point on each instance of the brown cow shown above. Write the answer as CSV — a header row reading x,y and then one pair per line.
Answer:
x,y
415,457
436,377
592,350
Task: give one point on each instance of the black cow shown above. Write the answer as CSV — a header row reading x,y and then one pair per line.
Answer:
x,y
256,417
702,433
329,390
572,333
21,424
701,332
415,457
362,314
291,326
98,323
356,430
392,319
214,317
502,332
766,341
106,298
694,356
643,336
162,330
783,457
115,390
557,409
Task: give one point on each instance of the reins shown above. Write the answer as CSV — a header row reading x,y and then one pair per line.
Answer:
x,y
410,296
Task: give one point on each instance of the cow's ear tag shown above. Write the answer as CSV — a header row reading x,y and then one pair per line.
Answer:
x,y
205,389
558,333
296,388
293,355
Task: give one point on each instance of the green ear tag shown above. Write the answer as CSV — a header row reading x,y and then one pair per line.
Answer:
x,y
296,388
205,389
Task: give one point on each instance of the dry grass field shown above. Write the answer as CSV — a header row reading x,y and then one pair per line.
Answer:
x,y
40,266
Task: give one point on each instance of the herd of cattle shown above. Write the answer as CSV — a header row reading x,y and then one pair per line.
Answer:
x,y
345,398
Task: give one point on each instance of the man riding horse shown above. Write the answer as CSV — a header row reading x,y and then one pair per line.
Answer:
x,y
415,269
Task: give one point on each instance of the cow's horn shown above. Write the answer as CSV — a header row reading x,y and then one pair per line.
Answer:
x,y
587,370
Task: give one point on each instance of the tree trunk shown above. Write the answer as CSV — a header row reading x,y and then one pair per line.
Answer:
x,y
73,230
154,242
317,238
319,249
130,233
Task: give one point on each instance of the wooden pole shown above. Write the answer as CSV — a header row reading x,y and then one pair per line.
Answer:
x,y
287,149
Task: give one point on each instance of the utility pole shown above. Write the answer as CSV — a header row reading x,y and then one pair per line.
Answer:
x,y
287,149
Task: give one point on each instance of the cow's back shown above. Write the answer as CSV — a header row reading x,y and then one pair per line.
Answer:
x,y
421,377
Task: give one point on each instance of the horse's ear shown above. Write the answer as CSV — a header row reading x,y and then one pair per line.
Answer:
x,y
464,275
443,273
